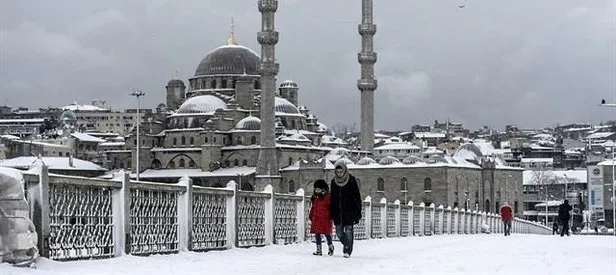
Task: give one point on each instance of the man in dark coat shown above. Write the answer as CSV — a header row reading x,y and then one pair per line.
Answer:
x,y
346,205
564,216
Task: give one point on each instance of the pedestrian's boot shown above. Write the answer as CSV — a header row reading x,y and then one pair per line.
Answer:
x,y
330,250
319,252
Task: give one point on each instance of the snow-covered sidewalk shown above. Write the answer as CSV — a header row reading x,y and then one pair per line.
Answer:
x,y
447,254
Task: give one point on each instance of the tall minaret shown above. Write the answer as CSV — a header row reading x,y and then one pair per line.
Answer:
x,y
267,166
367,83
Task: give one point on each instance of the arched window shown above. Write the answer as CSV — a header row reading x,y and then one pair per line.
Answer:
x,y
192,164
244,163
486,206
205,140
427,185
380,185
183,140
213,84
291,186
236,162
192,140
253,140
171,164
182,163
223,83
239,140
404,185
175,141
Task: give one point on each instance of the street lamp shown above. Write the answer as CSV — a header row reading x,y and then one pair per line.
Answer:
x,y
138,94
604,103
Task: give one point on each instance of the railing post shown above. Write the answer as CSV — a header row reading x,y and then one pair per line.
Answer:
x,y
269,215
231,215
185,215
432,219
411,219
441,220
301,216
384,218
120,211
448,219
39,205
398,217
368,217
456,217
422,219
475,222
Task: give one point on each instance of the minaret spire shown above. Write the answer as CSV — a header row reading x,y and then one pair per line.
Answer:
x,y
367,83
267,166
231,40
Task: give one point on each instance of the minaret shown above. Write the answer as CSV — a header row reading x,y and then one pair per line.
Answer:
x,y
367,83
267,166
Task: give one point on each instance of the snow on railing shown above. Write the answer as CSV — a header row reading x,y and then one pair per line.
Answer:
x,y
82,218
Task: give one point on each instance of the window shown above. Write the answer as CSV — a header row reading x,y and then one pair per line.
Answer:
x,y
223,83
380,185
404,185
253,140
244,163
192,140
192,164
214,139
171,164
183,140
227,163
290,161
213,84
427,185
236,162
182,163
175,141
205,140
239,140
515,207
257,85
291,186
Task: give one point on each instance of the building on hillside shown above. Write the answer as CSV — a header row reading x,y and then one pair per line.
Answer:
x,y
100,118
57,165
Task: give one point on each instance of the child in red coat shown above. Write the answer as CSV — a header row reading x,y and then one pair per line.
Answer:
x,y
320,220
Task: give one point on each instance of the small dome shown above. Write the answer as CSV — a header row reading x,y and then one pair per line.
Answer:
x,y
345,160
175,83
201,104
339,152
388,160
283,106
249,123
68,115
366,161
411,160
229,59
288,84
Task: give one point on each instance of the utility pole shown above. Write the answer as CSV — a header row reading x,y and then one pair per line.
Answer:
x,y
138,94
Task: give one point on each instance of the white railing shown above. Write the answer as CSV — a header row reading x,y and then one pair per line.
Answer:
x,y
83,218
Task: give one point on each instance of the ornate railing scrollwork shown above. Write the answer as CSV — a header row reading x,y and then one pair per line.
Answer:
x,y
154,221
250,219
285,218
209,221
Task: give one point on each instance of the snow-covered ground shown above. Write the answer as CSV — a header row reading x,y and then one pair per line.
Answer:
x,y
447,254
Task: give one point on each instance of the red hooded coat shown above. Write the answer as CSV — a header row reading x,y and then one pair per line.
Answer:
x,y
320,220
506,213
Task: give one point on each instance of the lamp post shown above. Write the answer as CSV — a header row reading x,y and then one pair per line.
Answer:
x,y
604,103
138,94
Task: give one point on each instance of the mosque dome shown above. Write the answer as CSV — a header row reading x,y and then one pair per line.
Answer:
x,y
175,83
288,84
249,123
388,160
229,59
201,104
366,161
68,115
411,160
283,106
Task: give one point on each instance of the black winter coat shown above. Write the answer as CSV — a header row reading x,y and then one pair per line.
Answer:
x,y
346,202
563,212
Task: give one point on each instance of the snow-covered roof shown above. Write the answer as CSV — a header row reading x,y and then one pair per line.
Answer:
x,y
22,120
398,146
85,107
535,177
196,172
11,137
54,163
600,135
429,135
539,160
379,135
608,162
87,138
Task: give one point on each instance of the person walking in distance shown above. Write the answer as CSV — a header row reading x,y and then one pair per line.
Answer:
x,y
506,215
320,219
563,217
346,205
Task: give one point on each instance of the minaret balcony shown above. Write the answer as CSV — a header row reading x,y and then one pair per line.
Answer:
x,y
369,57
366,84
269,68
267,38
367,29
268,5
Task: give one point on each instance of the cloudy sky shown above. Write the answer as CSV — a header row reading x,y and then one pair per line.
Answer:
x,y
493,62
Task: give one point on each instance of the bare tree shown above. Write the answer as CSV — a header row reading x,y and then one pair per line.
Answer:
x,y
542,177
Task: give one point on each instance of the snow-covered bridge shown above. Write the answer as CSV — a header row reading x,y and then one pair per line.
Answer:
x,y
444,254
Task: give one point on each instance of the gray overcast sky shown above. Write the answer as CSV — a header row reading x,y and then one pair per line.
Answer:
x,y
493,62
